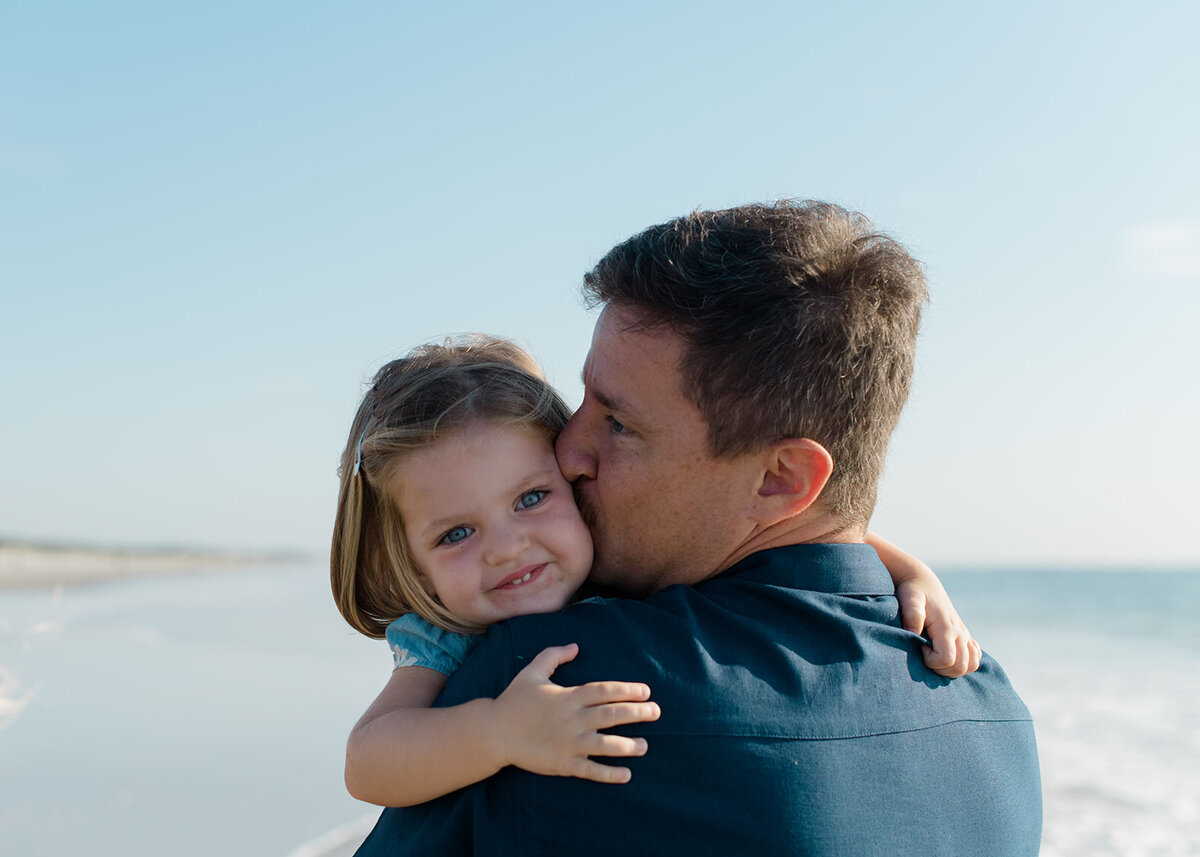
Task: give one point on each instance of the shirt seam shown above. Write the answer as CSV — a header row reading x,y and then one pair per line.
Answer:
x,y
837,737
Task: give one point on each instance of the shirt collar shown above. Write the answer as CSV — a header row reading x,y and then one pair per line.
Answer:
x,y
839,569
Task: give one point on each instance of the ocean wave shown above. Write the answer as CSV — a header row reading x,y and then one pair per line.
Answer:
x,y
341,841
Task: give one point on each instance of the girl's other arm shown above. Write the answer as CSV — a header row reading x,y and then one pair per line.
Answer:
x,y
402,752
925,608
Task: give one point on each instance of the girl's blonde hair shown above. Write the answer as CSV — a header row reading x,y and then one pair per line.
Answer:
x,y
433,391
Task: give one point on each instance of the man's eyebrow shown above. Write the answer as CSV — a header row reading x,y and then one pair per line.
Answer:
x,y
612,403
609,401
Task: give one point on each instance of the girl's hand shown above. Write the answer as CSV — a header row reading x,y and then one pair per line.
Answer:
x,y
549,729
925,608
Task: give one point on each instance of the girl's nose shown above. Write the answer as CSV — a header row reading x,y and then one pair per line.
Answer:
x,y
505,544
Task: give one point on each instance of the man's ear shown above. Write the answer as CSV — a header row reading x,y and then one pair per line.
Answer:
x,y
795,471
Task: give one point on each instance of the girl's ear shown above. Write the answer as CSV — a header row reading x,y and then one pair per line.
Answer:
x,y
795,471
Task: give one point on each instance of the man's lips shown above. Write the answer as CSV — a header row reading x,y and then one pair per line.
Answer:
x,y
521,577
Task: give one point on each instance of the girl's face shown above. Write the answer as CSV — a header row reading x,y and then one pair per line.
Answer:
x,y
492,523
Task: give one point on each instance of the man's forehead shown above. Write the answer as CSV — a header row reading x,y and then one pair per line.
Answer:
x,y
601,381
630,361
604,390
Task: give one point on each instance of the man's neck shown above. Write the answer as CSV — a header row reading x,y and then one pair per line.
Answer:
x,y
817,528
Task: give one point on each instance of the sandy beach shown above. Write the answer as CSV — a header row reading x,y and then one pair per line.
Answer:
x,y
31,566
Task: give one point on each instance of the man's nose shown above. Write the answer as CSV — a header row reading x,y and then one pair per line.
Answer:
x,y
504,544
575,452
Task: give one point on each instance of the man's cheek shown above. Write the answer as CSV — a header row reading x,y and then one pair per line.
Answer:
x,y
587,509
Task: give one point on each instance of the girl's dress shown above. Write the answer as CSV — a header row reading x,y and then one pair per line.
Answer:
x,y
416,643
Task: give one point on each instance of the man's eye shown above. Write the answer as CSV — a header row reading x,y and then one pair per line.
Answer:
x,y
618,427
455,536
531,498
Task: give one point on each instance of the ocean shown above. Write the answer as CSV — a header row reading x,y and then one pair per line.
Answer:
x,y
207,714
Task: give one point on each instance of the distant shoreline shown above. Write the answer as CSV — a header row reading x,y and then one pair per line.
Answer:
x,y
35,566
31,565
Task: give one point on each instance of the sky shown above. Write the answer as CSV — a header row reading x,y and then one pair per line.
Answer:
x,y
217,220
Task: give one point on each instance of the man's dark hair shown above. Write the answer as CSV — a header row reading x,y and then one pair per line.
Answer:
x,y
799,319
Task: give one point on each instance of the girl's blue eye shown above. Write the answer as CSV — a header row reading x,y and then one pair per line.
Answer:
x,y
456,535
531,498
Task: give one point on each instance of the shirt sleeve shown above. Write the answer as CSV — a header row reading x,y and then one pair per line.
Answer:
x,y
416,643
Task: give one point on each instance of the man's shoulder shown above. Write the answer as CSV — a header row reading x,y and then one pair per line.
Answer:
x,y
587,623
623,626
508,646
617,638
738,651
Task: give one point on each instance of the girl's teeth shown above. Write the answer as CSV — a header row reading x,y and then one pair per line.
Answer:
x,y
521,580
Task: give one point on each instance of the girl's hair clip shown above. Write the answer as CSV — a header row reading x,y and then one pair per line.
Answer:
x,y
358,454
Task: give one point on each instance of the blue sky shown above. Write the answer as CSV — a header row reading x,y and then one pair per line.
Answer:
x,y
218,219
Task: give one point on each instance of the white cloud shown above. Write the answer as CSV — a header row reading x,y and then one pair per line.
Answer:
x,y
1168,249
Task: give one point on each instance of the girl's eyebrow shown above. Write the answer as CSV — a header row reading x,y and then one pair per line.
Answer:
x,y
534,479
439,525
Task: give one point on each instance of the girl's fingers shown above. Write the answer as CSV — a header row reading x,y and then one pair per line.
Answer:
x,y
940,655
599,744
601,692
956,659
586,769
619,713
976,656
548,660
912,610
962,657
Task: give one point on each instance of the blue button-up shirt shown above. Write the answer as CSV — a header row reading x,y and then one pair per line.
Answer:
x,y
797,718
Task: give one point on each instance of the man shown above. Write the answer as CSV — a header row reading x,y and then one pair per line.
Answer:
x,y
745,375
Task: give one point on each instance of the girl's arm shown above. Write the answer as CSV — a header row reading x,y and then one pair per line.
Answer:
x,y
402,752
925,608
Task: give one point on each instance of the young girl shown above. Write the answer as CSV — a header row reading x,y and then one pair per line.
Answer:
x,y
452,515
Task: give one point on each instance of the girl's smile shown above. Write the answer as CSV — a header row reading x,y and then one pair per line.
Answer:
x,y
492,523
522,577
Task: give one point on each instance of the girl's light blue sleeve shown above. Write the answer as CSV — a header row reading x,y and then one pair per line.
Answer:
x,y
416,643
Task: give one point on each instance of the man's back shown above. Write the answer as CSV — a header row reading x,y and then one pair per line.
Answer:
x,y
797,718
